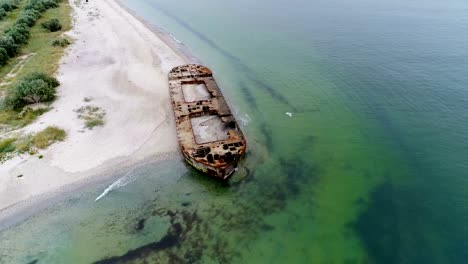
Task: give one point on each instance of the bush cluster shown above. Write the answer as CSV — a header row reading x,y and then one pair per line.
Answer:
x,y
52,25
18,34
3,56
9,5
60,42
28,17
41,5
8,44
34,88
3,13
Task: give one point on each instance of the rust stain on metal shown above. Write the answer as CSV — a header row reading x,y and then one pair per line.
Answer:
x,y
209,136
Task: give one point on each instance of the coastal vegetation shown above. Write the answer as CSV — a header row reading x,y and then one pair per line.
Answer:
x,y
34,88
31,45
52,25
30,143
17,35
37,54
14,119
29,57
92,115
7,6
61,42
48,136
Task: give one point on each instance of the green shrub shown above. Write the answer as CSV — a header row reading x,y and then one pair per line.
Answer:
x,y
35,91
52,25
3,56
20,28
9,5
37,5
51,81
28,18
41,5
33,13
26,21
3,13
8,43
19,33
60,42
50,3
34,88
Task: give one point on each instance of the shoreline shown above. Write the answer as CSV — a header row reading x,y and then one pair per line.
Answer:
x,y
180,48
73,163
23,210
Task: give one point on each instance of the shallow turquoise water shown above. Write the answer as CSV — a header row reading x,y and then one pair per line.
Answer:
x,y
371,168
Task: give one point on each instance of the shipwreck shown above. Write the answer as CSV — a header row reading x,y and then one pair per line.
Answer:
x,y
209,136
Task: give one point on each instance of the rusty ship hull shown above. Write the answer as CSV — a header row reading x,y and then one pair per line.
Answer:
x,y
209,136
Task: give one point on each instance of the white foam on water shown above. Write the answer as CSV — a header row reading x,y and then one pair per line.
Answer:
x,y
174,38
126,179
244,119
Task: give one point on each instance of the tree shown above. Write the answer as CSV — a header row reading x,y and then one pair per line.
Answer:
x,y
51,81
34,88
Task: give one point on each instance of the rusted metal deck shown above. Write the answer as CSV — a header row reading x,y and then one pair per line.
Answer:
x,y
209,136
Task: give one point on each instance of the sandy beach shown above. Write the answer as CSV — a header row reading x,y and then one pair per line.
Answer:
x,y
119,65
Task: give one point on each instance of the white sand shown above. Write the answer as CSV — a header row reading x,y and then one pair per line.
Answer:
x,y
123,66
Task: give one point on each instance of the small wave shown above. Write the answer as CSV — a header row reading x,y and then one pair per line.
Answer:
x,y
126,179
174,38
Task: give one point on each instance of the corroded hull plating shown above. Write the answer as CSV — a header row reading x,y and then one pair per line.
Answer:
x,y
214,153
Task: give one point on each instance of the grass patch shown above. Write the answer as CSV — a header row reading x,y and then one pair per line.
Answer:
x,y
7,147
94,122
24,144
20,119
92,115
48,136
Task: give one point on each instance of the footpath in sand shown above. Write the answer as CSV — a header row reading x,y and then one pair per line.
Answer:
x,y
122,65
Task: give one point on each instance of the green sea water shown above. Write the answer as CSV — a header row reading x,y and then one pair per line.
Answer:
x,y
372,166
